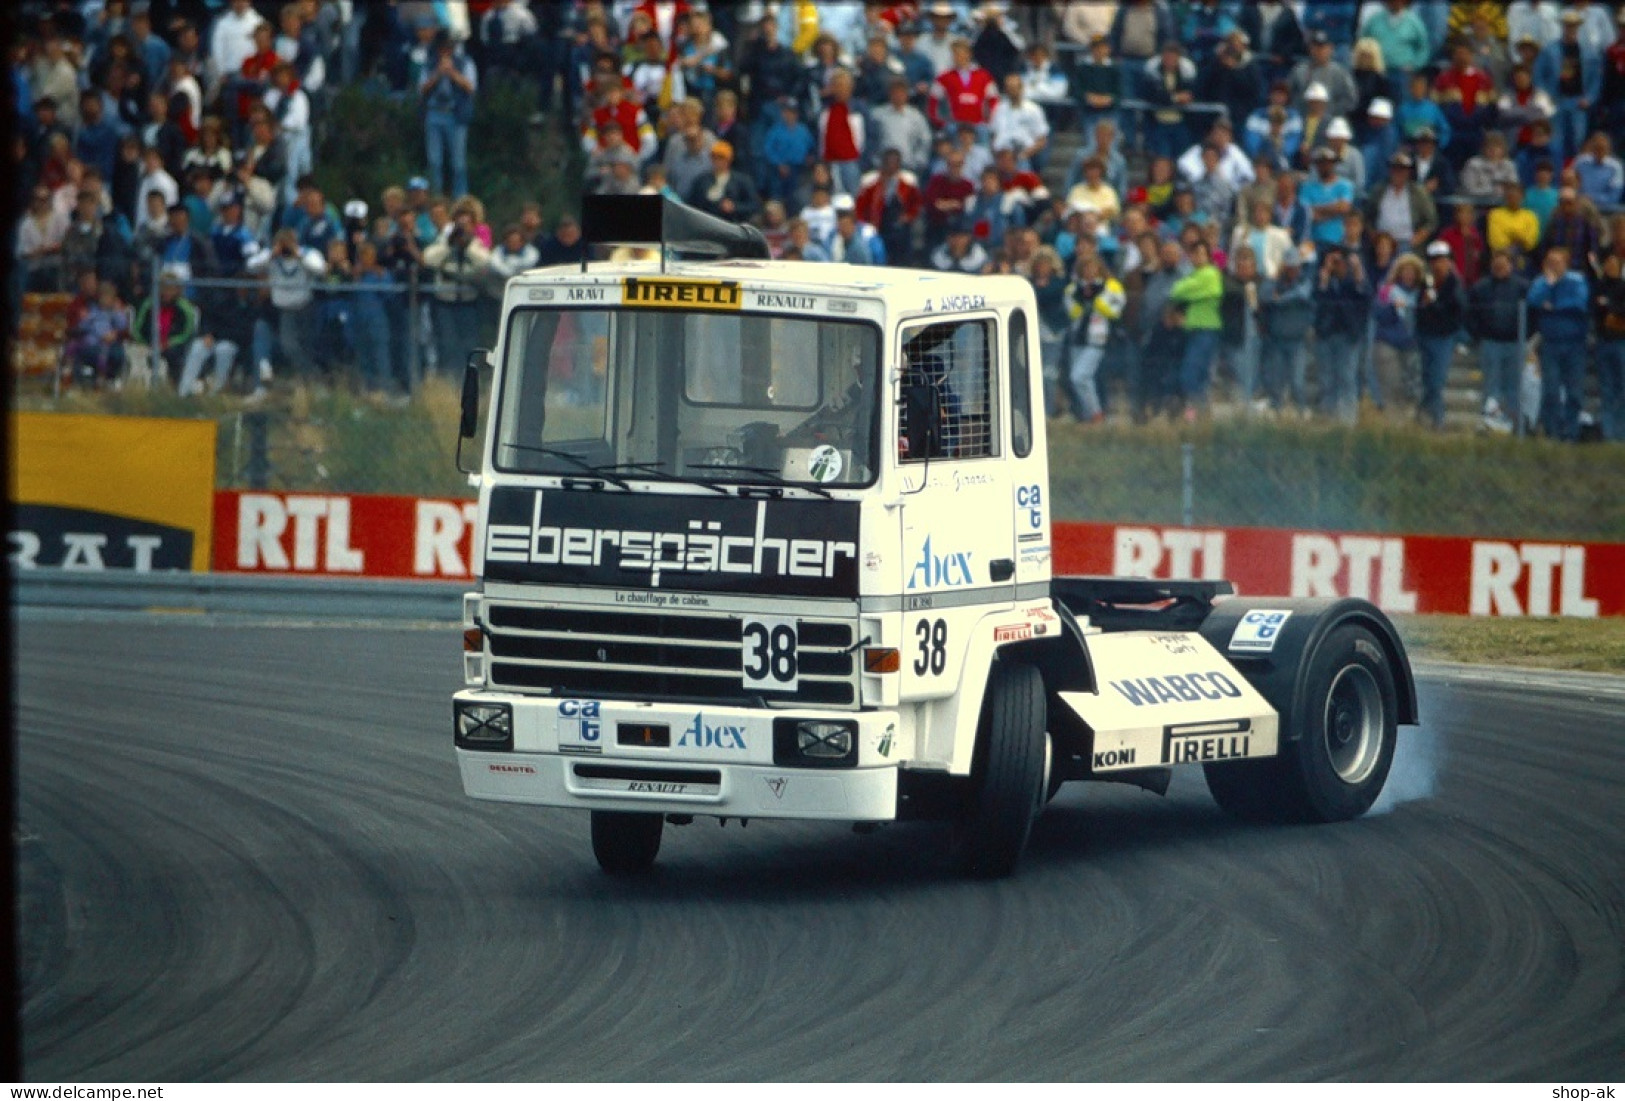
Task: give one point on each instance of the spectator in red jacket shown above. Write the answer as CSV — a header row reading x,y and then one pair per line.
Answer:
x,y
1466,243
966,94
948,195
890,200
840,133
617,111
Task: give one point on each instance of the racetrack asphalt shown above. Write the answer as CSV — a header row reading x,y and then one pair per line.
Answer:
x,y
245,855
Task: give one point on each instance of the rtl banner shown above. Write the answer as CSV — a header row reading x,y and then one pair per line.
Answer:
x,y
106,493
406,537
1398,573
343,535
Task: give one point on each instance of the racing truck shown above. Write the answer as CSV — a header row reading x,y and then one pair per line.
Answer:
x,y
774,540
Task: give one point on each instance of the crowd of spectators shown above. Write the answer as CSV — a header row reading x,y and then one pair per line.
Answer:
x,y
1313,204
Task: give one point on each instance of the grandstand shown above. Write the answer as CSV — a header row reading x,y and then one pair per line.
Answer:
x,y
1334,210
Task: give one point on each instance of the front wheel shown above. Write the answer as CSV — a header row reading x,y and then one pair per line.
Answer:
x,y
1009,775
1348,724
626,843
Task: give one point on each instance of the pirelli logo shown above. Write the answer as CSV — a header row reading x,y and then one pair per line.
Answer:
x,y
681,294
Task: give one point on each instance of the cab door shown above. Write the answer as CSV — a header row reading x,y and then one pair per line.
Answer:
x,y
958,525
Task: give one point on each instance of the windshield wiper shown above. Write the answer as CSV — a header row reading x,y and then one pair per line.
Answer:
x,y
769,475
659,467
604,472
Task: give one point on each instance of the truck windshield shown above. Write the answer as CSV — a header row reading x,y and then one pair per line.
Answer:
x,y
673,394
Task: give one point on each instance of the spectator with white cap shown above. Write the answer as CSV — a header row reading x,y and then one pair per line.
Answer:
x,y
1320,68
1381,134
1315,120
1350,161
938,45
854,241
1441,319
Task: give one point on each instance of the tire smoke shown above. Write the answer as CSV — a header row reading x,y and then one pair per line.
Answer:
x,y
1415,771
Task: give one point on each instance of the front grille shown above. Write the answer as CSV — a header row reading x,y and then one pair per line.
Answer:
x,y
657,655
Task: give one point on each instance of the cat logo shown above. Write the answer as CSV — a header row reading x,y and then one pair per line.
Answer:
x,y
681,294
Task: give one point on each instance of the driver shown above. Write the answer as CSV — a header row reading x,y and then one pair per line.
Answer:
x,y
926,363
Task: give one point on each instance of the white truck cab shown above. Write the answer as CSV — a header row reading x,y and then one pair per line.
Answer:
x,y
773,540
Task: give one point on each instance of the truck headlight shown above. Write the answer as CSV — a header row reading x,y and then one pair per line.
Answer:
x,y
483,725
815,743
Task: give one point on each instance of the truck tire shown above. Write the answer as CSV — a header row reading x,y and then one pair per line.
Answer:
x,y
1348,721
1008,776
626,843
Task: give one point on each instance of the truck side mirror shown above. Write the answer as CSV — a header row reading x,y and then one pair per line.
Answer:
x,y
469,424
922,413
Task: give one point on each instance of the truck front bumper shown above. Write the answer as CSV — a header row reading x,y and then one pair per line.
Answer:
x,y
594,755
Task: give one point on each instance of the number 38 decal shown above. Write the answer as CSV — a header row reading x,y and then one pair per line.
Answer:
x,y
932,655
768,654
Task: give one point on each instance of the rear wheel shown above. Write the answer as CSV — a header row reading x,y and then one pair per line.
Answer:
x,y
626,843
1008,779
1348,727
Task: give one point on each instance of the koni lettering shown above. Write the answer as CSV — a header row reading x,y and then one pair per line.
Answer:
x,y
1114,758
1177,688
706,547
681,294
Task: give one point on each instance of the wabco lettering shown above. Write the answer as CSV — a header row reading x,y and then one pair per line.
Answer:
x,y
946,571
704,548
1176,688
700,735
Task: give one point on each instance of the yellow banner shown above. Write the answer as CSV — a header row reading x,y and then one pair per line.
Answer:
x,y
681,294
94,492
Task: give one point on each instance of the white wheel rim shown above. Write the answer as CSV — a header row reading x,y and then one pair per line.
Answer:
x,y
1354,723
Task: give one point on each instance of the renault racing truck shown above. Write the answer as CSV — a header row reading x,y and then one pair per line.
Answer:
x,y
771,539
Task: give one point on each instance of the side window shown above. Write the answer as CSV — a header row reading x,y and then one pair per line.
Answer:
x,y
1021,394
956,357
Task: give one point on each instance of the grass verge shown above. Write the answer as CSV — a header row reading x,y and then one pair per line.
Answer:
x,y
1583,645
